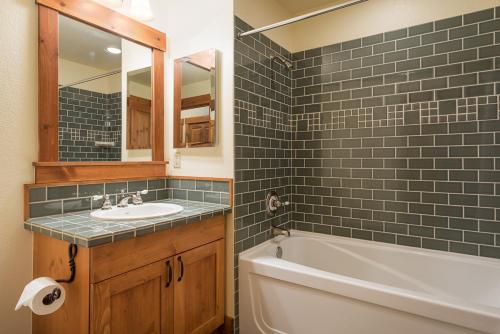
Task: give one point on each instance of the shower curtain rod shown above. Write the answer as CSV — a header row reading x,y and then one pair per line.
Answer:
x,y
99,76
301,17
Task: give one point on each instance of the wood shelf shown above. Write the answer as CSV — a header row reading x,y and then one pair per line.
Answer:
x,y
64,172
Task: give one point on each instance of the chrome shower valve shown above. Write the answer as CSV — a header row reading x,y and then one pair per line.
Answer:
x,y
273,203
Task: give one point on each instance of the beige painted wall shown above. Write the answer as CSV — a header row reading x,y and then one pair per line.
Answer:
x,y
259,13
190,31
368,18
376,16
70,71
139,90
18,131
195,89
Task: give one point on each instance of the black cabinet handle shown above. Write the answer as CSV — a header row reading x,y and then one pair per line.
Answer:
x,y
179,259
169,274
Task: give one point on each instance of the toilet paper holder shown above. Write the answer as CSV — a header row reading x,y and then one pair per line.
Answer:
x,y
56,293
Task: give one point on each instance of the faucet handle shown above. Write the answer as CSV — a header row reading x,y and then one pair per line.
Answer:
x,y
106,205
137,199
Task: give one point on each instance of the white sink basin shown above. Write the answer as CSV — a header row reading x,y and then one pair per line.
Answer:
x,y
134,212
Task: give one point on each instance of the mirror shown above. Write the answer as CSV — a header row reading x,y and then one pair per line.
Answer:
x,y
105,111
195,102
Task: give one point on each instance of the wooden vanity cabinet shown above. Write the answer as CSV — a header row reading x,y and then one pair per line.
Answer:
x,y
198,298
139,301
169,282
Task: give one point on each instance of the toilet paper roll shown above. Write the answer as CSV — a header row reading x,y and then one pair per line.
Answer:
x,y
34,293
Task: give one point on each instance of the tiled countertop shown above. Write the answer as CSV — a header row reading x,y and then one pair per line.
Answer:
x,y
81,229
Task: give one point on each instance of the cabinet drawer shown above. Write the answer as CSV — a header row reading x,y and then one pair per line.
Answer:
x,y
116,258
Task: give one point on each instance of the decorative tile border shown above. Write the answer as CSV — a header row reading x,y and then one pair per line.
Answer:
x,y
57,199
461,110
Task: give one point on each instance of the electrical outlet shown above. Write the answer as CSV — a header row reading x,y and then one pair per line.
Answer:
x,y
177,160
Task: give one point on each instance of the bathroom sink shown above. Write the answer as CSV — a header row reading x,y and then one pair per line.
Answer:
x,y
134,212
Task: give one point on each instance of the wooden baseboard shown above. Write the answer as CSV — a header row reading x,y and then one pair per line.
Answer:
x,y
227,327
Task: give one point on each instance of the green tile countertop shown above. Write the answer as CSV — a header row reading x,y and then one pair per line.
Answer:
x,y
80,228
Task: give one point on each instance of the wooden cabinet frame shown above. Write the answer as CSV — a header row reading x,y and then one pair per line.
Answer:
x,y
109,20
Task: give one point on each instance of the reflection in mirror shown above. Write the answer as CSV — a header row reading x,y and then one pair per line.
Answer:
x,y
139,109
195,104
94,70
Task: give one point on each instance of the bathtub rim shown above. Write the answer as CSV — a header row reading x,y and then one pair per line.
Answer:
x,y
455,311
378,244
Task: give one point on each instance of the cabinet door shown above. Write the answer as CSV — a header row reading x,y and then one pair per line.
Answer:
x,y
137,302
199,289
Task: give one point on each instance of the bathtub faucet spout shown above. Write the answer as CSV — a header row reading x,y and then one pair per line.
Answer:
x,y
276,231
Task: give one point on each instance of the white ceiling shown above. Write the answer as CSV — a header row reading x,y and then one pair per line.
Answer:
x,y
87,45
303,6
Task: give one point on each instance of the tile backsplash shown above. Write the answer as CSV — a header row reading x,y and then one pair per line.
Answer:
x,y
57,199
86,117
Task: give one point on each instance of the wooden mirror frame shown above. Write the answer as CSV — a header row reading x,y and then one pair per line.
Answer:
x,y
179,102
49,169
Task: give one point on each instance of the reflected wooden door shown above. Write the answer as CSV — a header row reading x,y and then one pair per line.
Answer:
x,y
137,302
199,289
138,123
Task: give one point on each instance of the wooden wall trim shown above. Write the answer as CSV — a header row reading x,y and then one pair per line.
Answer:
x,y
105,18
50,173
196,102
158,117
48,95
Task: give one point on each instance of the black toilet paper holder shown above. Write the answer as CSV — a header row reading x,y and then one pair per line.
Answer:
x,y
56,293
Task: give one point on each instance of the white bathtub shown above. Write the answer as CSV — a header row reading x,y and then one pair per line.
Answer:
x,y
334,285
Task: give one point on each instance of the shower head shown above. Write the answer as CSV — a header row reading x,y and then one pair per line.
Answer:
x,y
282,60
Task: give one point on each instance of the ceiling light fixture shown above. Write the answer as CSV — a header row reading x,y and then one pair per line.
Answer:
x,y
141,10
113,50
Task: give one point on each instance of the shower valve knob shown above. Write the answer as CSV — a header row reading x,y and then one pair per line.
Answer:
x,y
273,203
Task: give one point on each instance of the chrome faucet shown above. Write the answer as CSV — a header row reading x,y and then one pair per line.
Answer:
x,y
136,198
123,202
106,205
277,231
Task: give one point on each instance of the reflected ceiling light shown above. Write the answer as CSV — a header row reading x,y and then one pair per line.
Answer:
x,y
112,3
141,10
113,50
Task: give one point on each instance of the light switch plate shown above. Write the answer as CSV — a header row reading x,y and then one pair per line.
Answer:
x,y
177,160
